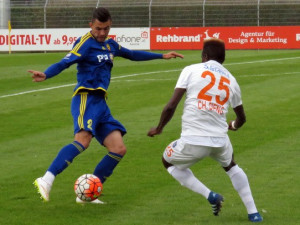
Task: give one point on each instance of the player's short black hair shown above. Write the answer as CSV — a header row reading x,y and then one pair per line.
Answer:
x,y
101,14
214,49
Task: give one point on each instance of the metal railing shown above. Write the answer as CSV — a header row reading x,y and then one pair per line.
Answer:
x,y
155,13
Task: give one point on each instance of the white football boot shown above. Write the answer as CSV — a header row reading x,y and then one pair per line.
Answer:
x,y
43,188
96,201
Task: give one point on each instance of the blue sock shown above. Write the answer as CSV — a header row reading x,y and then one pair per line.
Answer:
x,y
65,157
106,166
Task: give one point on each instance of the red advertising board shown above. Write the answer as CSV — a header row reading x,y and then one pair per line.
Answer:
x,y
272,37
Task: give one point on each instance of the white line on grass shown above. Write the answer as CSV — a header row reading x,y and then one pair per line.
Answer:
x,y
154,72
37,90
138,80
249,75
261,61
268,75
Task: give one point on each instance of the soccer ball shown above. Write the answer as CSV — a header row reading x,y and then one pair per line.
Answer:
x,y
88,187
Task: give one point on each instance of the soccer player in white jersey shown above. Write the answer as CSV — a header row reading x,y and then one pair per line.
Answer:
x,y
210,90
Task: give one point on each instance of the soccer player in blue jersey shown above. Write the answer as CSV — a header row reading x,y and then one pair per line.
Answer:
x,y
94,53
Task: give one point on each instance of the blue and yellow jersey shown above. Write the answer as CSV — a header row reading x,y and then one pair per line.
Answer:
x,y
94,61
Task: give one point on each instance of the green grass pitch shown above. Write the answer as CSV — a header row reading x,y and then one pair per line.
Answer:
x,y
36,122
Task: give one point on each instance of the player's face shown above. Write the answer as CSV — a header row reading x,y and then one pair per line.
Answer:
x,y
100,30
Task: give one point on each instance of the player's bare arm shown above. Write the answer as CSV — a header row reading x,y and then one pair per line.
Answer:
x,y
171,55
240,118
167,112
37,76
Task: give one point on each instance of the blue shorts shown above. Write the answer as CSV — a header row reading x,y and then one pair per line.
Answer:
x,y
91,113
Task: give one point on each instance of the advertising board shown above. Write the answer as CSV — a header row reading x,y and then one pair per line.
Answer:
x,y
157,38
276,37
63,39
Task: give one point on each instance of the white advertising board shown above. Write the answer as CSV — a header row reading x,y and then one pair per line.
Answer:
x,y
63,39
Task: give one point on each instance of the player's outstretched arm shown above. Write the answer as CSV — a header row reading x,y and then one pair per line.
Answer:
x,y
167,112
37,76
171,55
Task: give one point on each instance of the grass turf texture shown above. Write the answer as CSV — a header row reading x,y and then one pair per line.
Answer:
x,y
34,126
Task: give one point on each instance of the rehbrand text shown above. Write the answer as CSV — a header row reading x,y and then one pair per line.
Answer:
x,y
175,38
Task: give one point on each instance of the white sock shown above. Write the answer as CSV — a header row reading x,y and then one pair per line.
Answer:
x,y
241,185
49,178
187,179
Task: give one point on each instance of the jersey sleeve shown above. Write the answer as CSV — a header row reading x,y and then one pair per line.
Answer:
x,y
136,55
80,48
236,98
182,81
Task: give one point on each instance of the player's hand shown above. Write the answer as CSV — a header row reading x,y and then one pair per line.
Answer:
x,y
171,55
154,131
37,76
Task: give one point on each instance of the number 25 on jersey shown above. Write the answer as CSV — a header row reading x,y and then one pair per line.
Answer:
x,y
221,86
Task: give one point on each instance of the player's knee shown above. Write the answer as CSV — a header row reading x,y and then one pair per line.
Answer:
x,y
120,150
232,164
84,138
85,143
165,163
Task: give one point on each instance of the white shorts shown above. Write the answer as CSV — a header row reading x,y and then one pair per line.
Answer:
x,y
183,155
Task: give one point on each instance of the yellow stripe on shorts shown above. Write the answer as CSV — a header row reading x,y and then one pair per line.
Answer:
x,y
83,98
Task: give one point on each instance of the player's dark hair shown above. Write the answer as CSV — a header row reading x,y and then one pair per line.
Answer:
x,y
101,14
214,49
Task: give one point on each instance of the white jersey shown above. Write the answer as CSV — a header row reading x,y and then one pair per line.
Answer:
x,y
210,90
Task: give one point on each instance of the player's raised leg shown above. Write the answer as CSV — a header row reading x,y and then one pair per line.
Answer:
x,y
61,162
187,179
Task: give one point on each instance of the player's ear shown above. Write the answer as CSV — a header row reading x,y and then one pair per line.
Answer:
x,y
204,57
90,24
